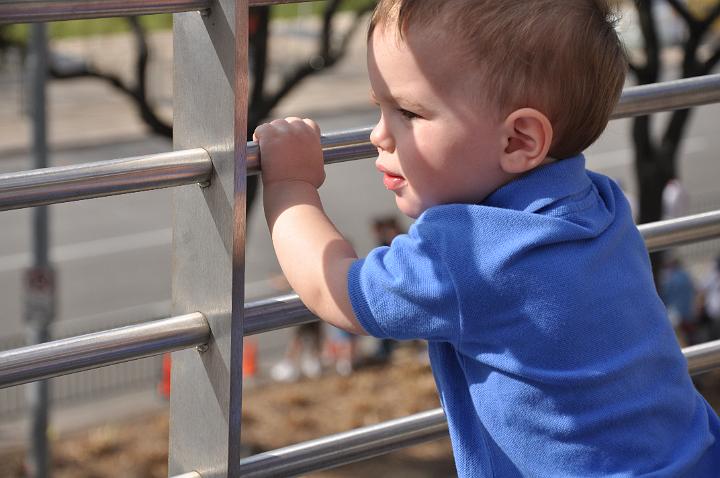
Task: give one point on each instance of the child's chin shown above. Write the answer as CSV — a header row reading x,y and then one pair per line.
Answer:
x,y
411,210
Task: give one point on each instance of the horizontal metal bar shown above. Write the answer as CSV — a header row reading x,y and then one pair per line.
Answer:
x,y
276,313
192,474
52,185
684,230
337,147
289,311
348,447
103,178
667,96
257,3
637,100
343,448
84,352
27,11
31,11
703,357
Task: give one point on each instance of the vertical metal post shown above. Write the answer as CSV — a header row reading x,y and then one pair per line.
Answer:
x,y
210,75
39,283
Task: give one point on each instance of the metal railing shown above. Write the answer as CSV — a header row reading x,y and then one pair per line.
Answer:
x,y
84,352
208,277
28,11
103,178
103,348
163,170
367,442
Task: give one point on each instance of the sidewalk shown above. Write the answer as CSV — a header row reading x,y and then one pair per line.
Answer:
x,y
69,418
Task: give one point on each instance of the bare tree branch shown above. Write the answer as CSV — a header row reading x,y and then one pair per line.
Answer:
x,y
682,10
259,58
136,94
711,62
325,57
710,18
146,112
674,133
650,71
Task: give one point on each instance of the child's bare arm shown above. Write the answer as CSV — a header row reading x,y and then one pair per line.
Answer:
x,y
313,255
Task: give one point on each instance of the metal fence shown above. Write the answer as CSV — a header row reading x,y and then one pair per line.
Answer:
x,y
132,376
208,168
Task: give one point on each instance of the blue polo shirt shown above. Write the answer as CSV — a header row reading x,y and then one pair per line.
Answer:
x,y
552,353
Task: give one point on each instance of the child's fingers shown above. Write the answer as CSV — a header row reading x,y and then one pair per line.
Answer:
x,y
305,121
260,131
312,124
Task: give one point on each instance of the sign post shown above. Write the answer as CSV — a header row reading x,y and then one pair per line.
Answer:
x,y
40,278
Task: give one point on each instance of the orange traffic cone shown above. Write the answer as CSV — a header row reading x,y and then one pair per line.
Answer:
x,y
164,385
249,359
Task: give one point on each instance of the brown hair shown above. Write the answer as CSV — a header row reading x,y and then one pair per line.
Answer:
x,y
562,57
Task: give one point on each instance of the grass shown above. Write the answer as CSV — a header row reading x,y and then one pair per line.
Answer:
x,y
84,28
103,26
292,10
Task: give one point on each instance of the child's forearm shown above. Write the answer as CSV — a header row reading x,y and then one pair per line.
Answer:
x,y
313,255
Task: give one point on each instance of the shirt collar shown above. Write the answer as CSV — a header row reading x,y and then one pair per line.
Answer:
x,y
542,186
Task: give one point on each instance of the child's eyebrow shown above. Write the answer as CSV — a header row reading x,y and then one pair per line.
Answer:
x,y
399,100
407,103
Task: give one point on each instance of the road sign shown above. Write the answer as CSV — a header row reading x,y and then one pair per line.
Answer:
x,y
39,295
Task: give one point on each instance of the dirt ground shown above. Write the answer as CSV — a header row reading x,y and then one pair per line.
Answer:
x,y
276,415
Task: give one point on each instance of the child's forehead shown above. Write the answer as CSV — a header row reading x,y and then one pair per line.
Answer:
x,y
416,55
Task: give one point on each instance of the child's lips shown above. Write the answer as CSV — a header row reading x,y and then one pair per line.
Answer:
x,y
393,182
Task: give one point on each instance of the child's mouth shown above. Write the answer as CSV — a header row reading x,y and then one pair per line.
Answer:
x,y
393,182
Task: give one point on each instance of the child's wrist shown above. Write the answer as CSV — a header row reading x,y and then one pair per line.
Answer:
x,y
289,184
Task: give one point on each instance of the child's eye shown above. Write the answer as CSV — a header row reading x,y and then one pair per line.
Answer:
x,y
408,114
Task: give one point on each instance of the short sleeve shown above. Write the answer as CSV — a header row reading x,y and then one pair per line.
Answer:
x,y
405,292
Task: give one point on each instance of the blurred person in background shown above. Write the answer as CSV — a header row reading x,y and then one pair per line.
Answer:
x,y
341,349
385,229
302,357
678,293
709,303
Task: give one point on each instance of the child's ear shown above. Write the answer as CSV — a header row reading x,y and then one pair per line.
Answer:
x,y
528,136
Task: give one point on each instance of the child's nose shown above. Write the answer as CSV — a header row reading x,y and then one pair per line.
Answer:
x,y
381,138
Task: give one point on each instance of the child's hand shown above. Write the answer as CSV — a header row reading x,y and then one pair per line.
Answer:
x,y
290,150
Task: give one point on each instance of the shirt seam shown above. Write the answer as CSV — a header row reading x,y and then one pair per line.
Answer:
x,y
362,306
458,332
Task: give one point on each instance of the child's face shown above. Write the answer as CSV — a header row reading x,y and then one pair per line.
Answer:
x,y
436,143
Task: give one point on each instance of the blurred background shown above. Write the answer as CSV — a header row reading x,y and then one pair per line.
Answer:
x,y
109,95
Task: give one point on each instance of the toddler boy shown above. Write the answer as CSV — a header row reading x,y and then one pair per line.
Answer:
x,y
551,350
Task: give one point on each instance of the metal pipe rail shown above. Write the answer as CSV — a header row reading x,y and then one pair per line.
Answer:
x,y
120,176
103,178
276,313
49,11
32,11
683,230
703,357
84,352
337,147
362,443
288,311
343,448
126,343
635,101
668,96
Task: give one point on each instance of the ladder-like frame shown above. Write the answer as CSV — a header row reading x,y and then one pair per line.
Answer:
x,y
208,167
